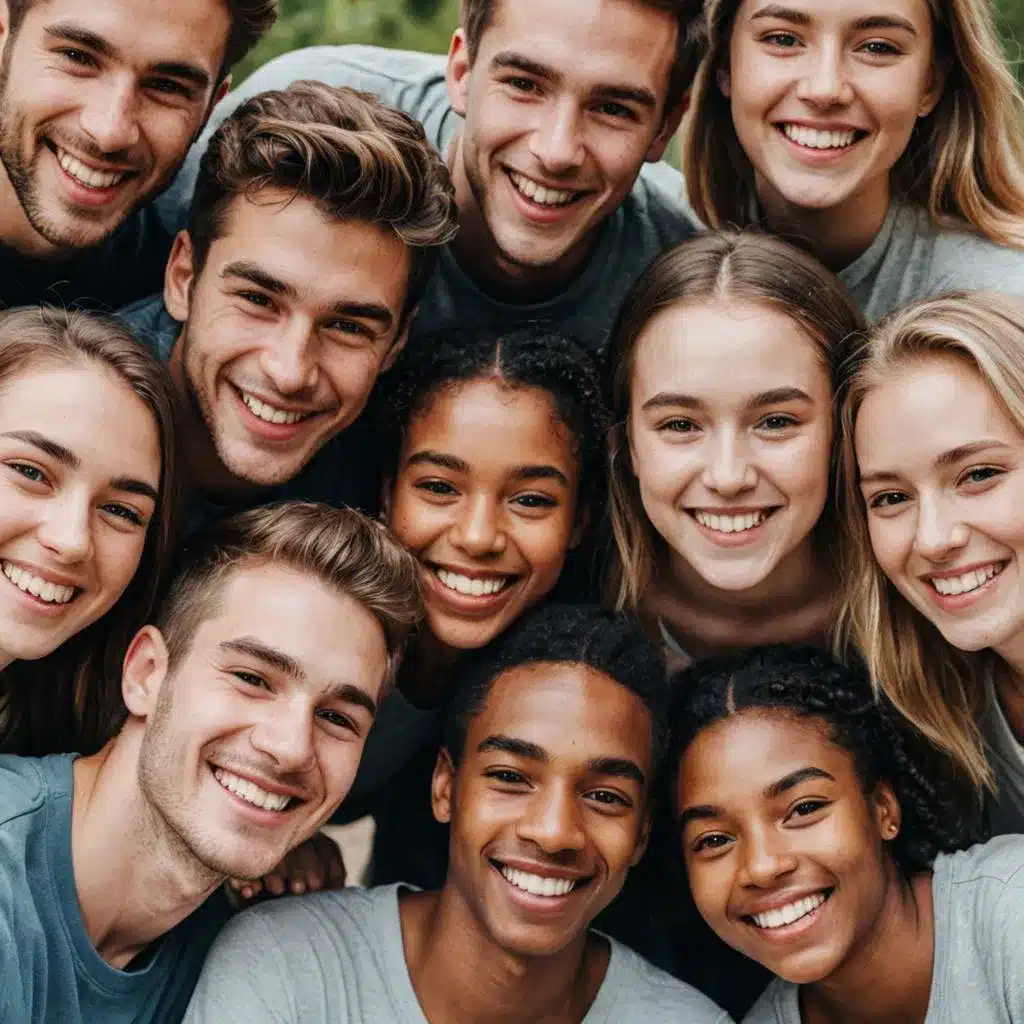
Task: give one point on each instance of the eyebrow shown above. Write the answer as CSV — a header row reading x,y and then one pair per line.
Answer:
x,y
774,396
782,13
944,461
803,18
251,647
540,473
610,767
254,273
442,459
366,311
72,33
617,768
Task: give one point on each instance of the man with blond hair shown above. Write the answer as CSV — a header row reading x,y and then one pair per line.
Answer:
x,y
248,703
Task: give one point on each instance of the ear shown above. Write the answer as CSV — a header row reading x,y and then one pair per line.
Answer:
x,y
143,672
442,787
457,73
179,276
669,126
221,91
5,25
399,343
724,82
936,85
887,813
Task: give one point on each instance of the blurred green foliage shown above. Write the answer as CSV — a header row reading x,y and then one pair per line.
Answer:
x,y
428,24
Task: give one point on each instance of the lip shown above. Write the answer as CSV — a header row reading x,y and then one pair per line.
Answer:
x,y
39,608
742,537
468,606
535,906
542,215
56,578
543,870
85,195
258,780
788,932
816,157
257,815
957,602
280,432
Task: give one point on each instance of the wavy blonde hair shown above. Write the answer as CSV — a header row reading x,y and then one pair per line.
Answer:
x,y
964,162
935,685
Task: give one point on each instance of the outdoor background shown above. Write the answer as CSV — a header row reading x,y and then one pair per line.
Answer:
x,y
428,25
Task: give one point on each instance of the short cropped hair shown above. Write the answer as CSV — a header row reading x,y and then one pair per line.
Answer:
x,y
607,642
344,150
339,547
477,16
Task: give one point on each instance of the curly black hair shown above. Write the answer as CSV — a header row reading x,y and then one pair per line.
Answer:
x,y
806,683
605,641
535,355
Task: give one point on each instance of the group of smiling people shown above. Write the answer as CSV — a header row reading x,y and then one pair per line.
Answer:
x,y
399,435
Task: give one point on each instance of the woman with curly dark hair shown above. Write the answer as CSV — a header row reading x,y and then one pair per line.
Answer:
x,y
818,843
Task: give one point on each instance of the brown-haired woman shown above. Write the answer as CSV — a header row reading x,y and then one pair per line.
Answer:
x,y
87,496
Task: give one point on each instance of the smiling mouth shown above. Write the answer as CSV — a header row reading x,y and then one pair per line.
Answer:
x,y
42,590
951,586
817,138
471,586
83,174
728,523
541,195
271,413
780,917
539,885
252,794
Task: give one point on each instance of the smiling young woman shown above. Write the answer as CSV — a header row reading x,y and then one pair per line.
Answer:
x,y
932,485
886,135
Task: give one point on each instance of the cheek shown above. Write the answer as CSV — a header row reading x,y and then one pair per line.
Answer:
x,y
117,559
414,522
544,546
891,541
710,885
660,468
351,378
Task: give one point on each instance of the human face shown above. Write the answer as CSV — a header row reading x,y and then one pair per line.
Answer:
x,y
826,93
783,849
485,498
289,322
79,473
253,739
547,805
100,103
942,475
730,431
563,104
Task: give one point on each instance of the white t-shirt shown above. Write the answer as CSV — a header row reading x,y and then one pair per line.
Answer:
x,y
1006,756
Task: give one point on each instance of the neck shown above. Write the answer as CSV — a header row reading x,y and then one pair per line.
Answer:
x,y
462,977
135,880
16,230
837,235
482,261
864,988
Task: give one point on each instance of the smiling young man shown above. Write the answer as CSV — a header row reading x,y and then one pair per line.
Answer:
x,y
546,112
248,704
545,777
315,225
99,103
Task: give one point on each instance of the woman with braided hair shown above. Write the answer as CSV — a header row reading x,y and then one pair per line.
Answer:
x,y
818,843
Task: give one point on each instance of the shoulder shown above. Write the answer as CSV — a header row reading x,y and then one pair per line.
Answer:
x,y
1000,861
152,325
963,259
659,200
27,782
778,1005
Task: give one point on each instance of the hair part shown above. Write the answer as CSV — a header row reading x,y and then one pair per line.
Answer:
x,y
70,699
936,686
346,152
964,162
713,267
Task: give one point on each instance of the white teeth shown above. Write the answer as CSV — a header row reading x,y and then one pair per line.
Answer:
x,y
814,138
88,176
730,524
250,792
51,593
470,586
539,194
538,885
951,585
267,412
790,912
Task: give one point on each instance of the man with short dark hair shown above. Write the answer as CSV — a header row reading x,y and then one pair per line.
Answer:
x,y
547,113
99,103
248,704
545,778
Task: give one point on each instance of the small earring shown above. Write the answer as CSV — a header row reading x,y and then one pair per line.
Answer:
x,y
892,830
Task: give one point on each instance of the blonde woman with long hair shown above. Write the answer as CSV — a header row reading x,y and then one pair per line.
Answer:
x,y
932,493
887,136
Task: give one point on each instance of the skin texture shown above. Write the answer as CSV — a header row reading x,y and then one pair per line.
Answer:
x,y
486,487
931,516
123,86
82,524
534,789
826,70
770,810
572,97
259,321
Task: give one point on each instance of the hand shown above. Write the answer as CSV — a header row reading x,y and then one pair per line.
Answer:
x,y
315,864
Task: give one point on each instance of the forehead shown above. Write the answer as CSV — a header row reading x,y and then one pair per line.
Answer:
x,y
724,350
325,260
928,407
493,427
591,42
145,32
918,12
572,711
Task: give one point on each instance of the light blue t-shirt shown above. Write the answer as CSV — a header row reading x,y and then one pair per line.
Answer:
x,y
652,218
49,969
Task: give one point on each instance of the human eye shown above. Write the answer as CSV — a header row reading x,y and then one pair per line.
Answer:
x,y
520,83
980,475
807,807
253,679
506,776
880,48
781,39
887,500
338,720
124,513
610,108
31,473
609,799
710,842
76,57
350,327
778,421
259,299
171,87
535,501
678,425
438,488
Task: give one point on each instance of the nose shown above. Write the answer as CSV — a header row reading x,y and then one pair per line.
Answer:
x,y
729,470
940,531
109,115
479,530
766,859
66,529
556,141
825,82
552,820
284,732
289,361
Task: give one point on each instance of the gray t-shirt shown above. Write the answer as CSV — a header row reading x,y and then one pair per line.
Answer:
x,y
338,958
49,968
652,218
978,970
911,259
1006,756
